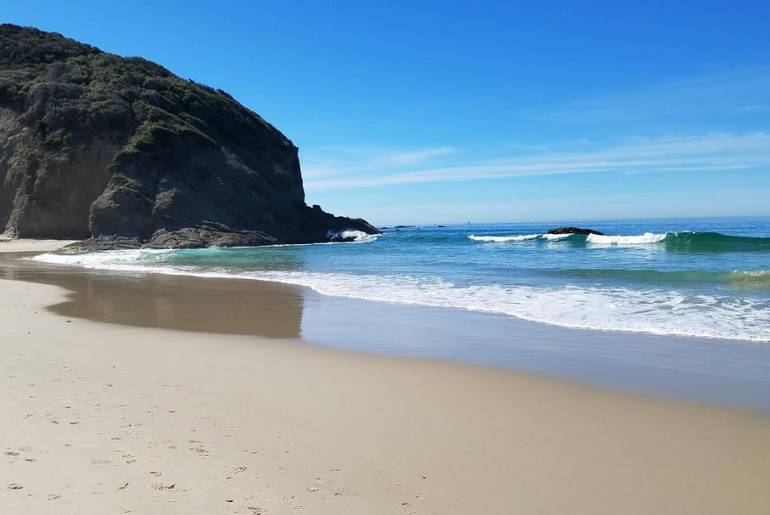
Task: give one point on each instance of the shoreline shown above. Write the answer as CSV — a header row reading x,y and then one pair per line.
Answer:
x,y
728,373
162,420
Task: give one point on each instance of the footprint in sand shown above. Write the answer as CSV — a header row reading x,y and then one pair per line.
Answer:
x,y
14,486
236,471
200,450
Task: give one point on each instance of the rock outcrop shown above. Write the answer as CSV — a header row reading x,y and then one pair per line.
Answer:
x,y
574,230
121,152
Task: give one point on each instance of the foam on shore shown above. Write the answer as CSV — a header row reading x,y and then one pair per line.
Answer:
x,y
651,310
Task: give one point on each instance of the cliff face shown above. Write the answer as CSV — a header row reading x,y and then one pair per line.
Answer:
x,y
122,152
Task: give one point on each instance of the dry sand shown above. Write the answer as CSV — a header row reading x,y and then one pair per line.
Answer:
x,y
22,245
106,418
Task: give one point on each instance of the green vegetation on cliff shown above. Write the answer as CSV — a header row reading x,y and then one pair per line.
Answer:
x,y
97,145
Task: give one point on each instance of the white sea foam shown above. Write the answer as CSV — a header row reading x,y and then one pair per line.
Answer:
x,y
556,237
613,309
359,236
106,260
503,239
648,237
596,239
518,237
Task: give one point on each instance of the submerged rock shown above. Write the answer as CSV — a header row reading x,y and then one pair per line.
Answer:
x,y
574,230
121,153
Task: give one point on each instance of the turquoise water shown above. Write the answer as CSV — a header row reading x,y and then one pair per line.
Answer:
x,y
694,277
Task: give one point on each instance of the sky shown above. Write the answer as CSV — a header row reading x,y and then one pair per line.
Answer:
x,y
447,112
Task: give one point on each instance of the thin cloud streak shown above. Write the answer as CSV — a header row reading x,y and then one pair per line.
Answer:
x,y
368,158
707,153
720,94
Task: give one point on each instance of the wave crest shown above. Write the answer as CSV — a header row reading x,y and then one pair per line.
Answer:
x,y
503,239
351,234
648,237
666,311
684,241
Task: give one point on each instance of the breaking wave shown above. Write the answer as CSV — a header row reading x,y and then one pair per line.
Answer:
x,y
648,237
358,236
674,241
746,279
663,311
503,239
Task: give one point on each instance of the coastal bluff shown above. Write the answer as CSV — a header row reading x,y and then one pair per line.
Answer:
x,y
121,153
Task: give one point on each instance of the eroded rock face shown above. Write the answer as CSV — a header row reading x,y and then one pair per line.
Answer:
x,y
122,153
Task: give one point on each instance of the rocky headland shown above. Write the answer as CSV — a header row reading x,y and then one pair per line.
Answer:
x,y
120,153
574,230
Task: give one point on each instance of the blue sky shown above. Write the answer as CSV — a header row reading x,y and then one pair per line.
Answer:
x,y
441,112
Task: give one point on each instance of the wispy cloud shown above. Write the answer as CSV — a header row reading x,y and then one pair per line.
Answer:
x,y
331,160
716,95
417,156
707,153
755,108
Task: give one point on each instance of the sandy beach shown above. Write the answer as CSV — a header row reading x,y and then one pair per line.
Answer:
x,y
175,415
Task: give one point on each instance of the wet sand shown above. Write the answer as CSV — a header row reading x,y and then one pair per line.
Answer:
x,y
169,302
162,411
727,373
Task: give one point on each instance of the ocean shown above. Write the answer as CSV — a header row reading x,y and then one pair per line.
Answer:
x,y
703,278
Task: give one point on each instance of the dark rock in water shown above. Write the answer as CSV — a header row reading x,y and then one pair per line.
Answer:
x,y
122,153
341,238
574,230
